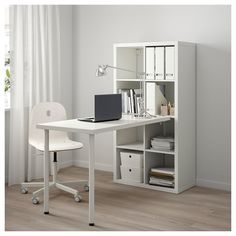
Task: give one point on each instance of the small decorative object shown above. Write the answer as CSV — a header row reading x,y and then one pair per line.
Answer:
x,y
164,110
169,106
172,110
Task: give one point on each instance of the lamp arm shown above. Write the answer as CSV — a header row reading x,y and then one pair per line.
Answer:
x,y
123,69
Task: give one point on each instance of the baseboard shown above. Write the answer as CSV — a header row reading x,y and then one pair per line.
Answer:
x,y
64,164
98,166
213,184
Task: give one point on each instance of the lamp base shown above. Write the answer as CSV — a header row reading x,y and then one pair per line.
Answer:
x,y
143,115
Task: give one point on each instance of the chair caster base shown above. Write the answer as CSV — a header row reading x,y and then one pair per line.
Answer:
x,y
24,190
35,200
46,212
91,224
77,198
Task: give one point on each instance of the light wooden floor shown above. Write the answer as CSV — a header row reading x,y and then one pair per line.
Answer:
x,y
120,207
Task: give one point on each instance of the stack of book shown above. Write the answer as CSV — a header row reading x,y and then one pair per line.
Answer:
x,y
130,100
162,177
162,143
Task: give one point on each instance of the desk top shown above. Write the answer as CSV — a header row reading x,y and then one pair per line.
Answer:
x,y
75,125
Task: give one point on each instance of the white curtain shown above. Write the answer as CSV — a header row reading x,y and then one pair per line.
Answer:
x,y
35,75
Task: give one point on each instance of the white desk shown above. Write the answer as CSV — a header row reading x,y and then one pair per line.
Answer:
x,y
91,129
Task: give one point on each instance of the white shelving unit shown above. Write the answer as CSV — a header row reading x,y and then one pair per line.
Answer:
x,y
179,86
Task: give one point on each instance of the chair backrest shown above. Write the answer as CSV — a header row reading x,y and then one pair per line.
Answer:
x,y
43,113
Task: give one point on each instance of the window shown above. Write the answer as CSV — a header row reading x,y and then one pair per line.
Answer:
x,y
7,59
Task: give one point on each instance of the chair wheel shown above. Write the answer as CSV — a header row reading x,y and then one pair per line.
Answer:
x,y
35,200
78,198
86,188
24,190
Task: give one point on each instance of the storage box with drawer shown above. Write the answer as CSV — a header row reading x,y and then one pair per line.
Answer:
x,y
131,174
131,159
131,168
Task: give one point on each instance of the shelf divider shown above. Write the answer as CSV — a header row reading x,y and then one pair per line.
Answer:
x,y
170,152
138,146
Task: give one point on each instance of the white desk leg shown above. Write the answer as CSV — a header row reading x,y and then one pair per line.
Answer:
x,y
91,179
46,171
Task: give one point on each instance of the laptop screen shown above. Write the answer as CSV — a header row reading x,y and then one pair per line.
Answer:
x,y
108,107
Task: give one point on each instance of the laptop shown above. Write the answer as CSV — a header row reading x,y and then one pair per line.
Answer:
x,y
107,107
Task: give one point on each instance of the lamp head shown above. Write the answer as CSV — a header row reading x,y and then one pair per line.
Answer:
x,y
101,70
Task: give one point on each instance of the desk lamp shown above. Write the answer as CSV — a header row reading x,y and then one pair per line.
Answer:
x,y
102,71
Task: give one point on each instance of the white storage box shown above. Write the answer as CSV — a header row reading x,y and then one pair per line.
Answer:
x,y
131,174
131,159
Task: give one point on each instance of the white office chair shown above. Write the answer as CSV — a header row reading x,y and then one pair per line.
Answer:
x,y
58,141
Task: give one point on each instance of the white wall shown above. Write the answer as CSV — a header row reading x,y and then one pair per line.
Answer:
x,y
97,28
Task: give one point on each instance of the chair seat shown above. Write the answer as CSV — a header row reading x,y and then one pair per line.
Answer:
x,y
58,145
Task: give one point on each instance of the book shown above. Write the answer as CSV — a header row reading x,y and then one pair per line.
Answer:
x,y
162,143
163,139
161,175
129,104
125,100
130,100
161,182
163,170
137,96
162,148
